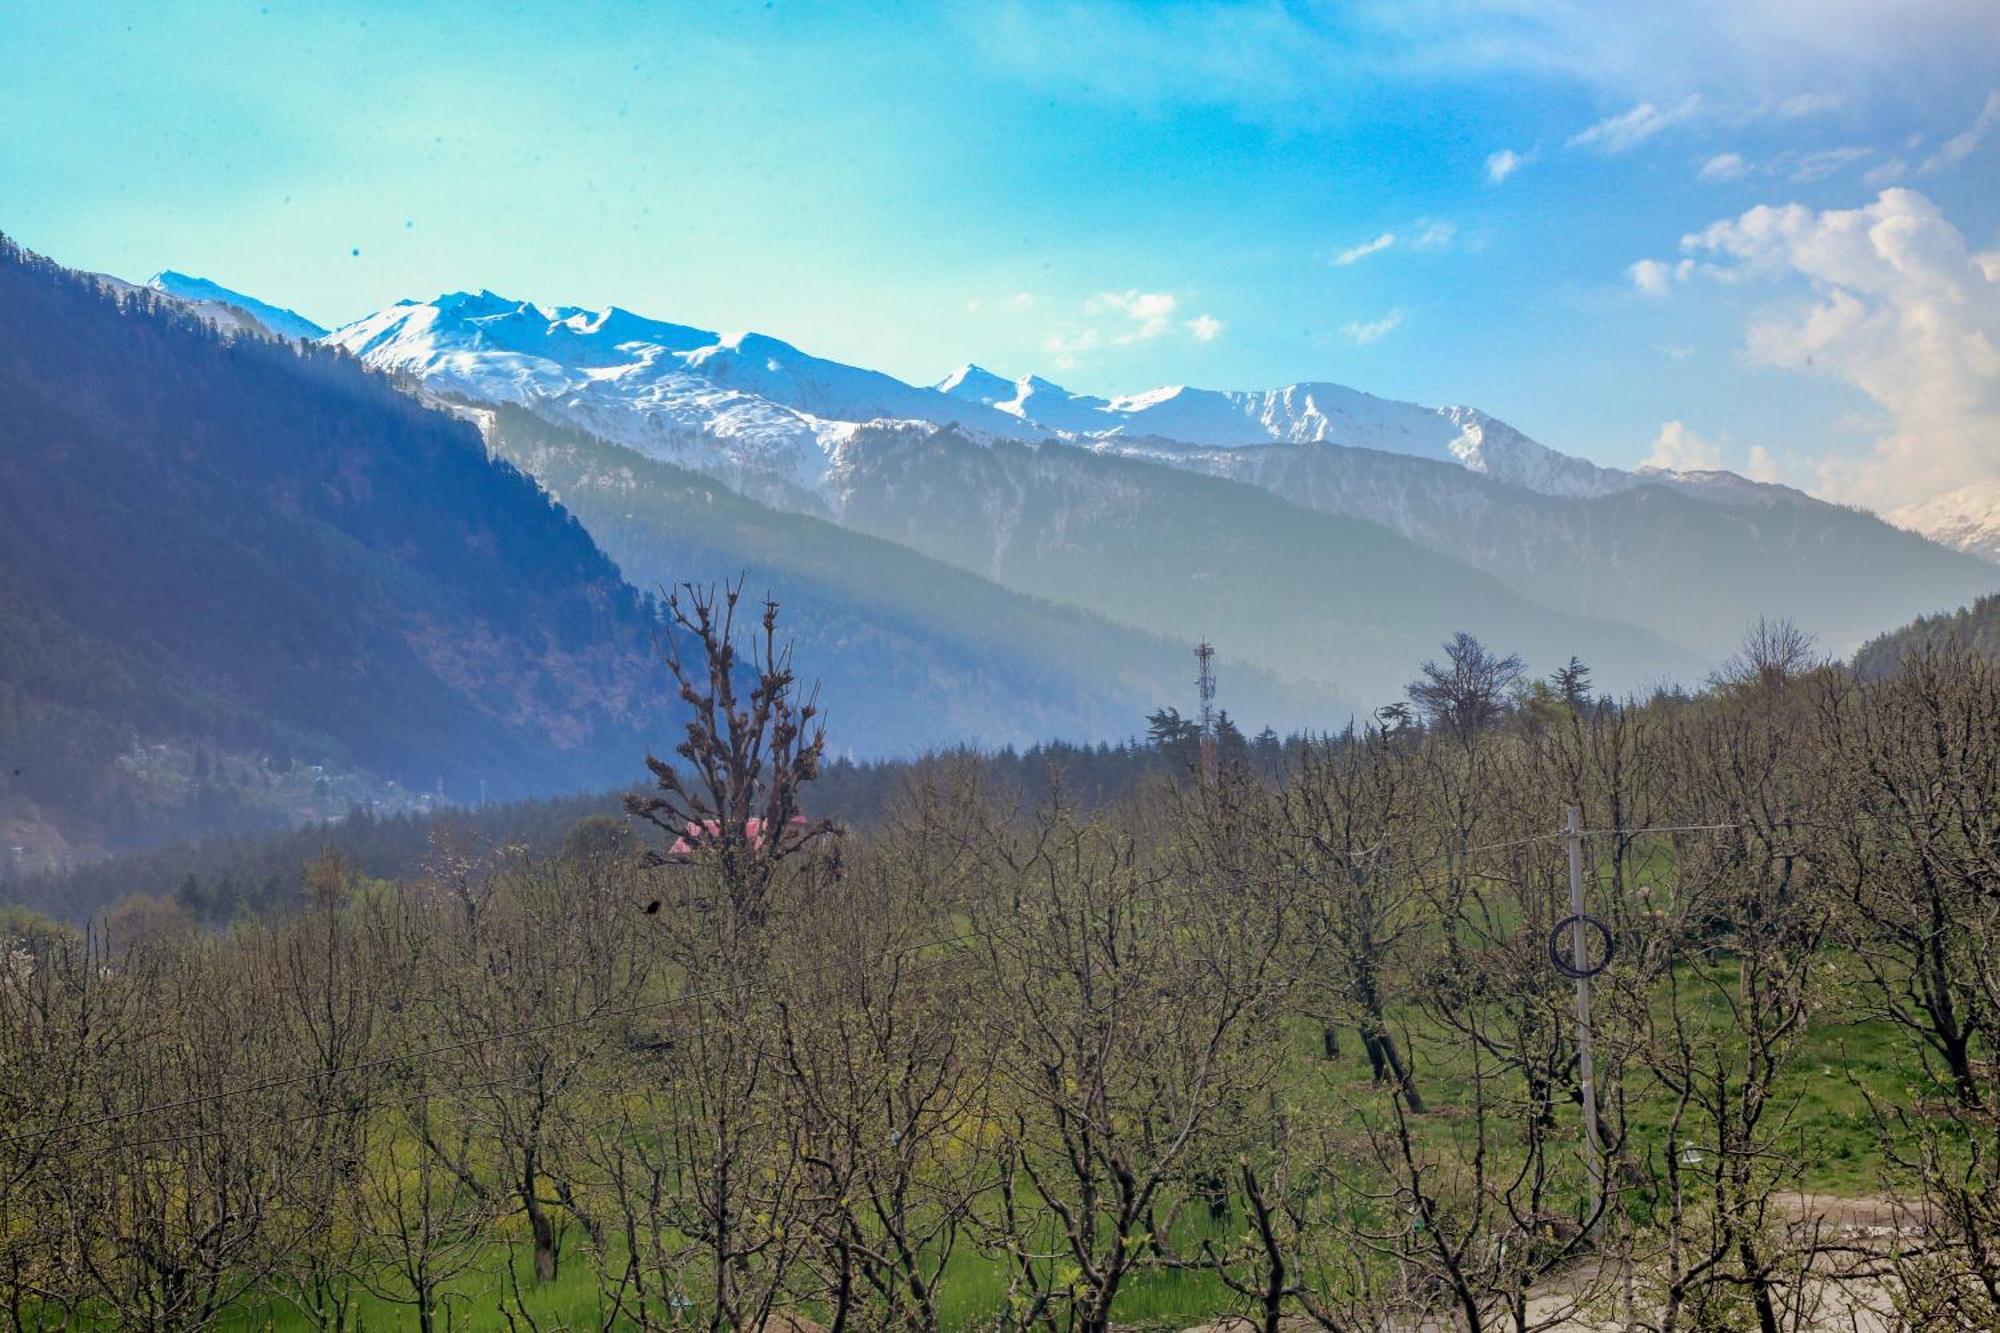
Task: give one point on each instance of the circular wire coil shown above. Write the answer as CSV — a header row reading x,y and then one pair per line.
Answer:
x,y
1561,957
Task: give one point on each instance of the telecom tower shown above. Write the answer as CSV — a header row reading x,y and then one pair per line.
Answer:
x,y
1204,656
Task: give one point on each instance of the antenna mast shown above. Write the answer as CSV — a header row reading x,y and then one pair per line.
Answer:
x,y
1204,656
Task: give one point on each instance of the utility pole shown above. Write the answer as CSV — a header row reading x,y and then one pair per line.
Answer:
x,y
1593,1151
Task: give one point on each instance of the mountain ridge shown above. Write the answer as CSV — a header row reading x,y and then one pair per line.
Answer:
x,y
1966,519
784,428
256,555
787,410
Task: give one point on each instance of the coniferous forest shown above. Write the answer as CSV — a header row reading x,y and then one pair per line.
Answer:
x,y
257,546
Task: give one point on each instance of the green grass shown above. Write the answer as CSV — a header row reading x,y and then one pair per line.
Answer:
x,y
1826,1088
975,1289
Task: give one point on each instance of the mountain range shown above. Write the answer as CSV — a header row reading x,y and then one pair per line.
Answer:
x,y
752,404
1675,562
986,558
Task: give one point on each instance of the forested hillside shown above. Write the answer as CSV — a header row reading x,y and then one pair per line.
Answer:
x,y
1692,561
1974,628
1337,602
912,652
219,879
258,555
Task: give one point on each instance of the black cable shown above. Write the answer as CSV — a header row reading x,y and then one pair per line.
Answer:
x,y
1567,964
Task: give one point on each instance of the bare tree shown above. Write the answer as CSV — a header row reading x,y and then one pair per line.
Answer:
x,y
1343,824
1118,1023
1775,652
748,757
891,1088
1467,692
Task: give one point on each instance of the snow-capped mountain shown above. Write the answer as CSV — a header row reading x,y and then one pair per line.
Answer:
x,y
751,402
806,433
230,311
749,408
274,319
1312,413
1967,519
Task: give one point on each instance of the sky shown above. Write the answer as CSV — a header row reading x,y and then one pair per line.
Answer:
x,y
1754,234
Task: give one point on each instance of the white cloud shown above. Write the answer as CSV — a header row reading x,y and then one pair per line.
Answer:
x,y
1501,165
1432,234
1274,61
1964,144
1762,466
1356,253
1650,276
1809,104
1018,301
1886,173
1066,346
1629,129
1681,450
1151,313
1826,162
1374,331
1724,167
1120,319
1889,299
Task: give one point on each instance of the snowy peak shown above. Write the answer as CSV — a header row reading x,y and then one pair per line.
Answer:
x,y
272,319
751,408
1967,519
975,384
767,405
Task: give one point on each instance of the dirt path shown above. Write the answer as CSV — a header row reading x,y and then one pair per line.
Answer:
x,y
1844,1306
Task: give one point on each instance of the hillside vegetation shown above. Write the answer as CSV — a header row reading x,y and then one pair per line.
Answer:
x,y
259,552
1692,563
1973,629
1290,1046
911,652
1336,602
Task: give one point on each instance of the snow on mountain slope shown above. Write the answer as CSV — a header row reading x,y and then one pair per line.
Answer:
x,y
772,419
284,323
229,318
770,407
1312,413
745,406
1967,519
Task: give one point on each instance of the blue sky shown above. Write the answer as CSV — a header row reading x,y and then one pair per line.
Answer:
x,y
1115,195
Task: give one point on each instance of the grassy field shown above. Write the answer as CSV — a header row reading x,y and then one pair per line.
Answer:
x,y
1839,1066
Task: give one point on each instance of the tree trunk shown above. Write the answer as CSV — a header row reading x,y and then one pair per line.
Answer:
x,y
544,1232
1382,1051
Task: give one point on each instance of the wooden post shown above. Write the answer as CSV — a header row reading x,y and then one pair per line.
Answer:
x,y
1593,1151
